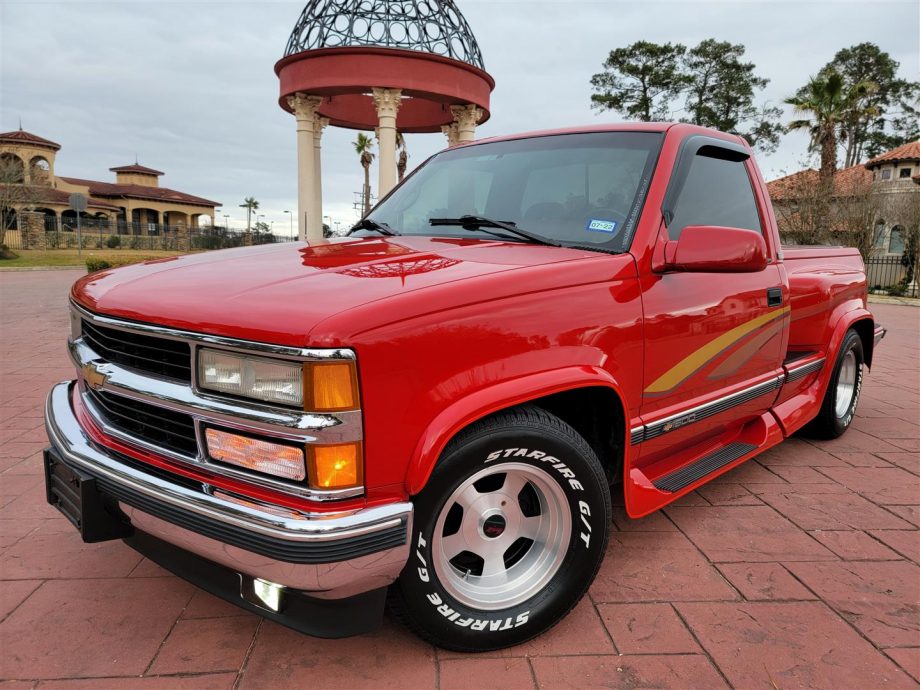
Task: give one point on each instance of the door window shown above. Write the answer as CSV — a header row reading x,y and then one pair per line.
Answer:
x,y
716,192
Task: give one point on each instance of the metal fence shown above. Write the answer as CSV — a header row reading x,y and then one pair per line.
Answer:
x,y
892,275
145,236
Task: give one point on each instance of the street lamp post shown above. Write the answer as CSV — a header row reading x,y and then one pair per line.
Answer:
x,y
291,215
227,222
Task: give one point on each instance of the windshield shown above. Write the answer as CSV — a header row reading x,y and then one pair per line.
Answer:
x,y
575,189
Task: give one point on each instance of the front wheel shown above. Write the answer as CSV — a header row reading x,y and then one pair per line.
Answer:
x,y
842,396
509,533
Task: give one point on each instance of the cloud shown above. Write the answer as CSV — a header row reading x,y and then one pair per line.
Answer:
x,y
189,87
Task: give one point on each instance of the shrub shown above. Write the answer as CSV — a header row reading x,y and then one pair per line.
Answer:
x,y
113,242
93,265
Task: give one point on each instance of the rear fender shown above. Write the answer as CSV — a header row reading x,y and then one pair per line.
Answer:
x,y
797,411
842,322
489,400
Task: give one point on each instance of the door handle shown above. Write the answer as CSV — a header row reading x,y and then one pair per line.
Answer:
x,y
774,296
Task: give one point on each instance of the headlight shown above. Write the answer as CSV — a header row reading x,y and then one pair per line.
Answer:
x,y
271,380
314,386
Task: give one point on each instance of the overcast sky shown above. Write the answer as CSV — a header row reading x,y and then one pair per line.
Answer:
x,y
189,87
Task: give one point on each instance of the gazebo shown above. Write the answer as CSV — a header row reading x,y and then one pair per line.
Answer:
x,y
382,65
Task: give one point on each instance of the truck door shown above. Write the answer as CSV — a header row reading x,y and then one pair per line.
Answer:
x,y
714,341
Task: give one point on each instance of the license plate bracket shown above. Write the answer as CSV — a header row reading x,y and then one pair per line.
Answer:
x,y
75,494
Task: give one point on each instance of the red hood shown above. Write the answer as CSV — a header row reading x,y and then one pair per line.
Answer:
x,y
279,293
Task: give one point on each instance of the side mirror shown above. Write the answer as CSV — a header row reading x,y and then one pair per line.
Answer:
x,y
714,249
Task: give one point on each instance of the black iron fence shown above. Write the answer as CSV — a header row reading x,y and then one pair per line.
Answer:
x,y
145,236
892,275
106,226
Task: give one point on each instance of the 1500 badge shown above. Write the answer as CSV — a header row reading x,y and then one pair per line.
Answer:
x,y
679,422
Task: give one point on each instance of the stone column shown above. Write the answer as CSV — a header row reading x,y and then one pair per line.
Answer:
x,y
316,212
450,131
466,117
183,232
304,108
387,102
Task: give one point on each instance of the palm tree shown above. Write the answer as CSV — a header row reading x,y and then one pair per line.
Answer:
x,y
250,204
363,145
403,161
830,104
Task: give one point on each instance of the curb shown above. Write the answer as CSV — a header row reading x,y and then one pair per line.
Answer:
x,y
887,299
14,269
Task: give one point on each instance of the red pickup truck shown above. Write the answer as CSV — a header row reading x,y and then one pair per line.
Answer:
x,y
441,406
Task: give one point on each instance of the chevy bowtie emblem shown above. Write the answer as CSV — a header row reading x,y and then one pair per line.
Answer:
x,y
93,377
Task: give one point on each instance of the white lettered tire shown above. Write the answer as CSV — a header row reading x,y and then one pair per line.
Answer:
x,y
508,533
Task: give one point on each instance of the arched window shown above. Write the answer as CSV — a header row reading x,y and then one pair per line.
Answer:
x,y
40,170
12,169
896,240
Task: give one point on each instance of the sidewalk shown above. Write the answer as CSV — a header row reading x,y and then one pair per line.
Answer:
x,y
797,570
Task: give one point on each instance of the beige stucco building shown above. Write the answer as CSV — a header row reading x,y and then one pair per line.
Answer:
x,y
895,175
893,180
133,204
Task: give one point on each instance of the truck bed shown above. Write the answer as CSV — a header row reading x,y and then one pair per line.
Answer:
x,y
822,281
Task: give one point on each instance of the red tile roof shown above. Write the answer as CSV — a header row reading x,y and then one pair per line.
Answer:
x,y
137,191
49,195
136,169
907,152
22,137
845,182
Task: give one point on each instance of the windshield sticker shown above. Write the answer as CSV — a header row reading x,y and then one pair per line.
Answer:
x,y
601,225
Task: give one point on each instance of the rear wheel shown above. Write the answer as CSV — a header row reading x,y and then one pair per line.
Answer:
x,y
509,532
842,396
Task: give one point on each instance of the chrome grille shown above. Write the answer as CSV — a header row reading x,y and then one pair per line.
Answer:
x,y
159,356
174,431
136,380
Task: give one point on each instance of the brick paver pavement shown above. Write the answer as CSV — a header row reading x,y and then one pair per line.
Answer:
x,y
797,570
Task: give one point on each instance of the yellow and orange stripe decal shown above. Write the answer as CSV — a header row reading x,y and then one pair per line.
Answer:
x,y
693,362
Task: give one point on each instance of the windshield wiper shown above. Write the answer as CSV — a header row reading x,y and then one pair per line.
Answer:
x,y
370,224
481,223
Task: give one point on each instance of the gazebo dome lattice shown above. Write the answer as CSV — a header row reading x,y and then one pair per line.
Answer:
x,y
429,26
387,66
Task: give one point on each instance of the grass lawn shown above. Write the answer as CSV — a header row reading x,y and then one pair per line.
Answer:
x,y
29,258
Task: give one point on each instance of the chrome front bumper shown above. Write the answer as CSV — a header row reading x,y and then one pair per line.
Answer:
x,y
331,556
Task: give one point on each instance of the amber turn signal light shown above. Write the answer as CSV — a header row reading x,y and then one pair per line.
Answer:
x,y
331,387
335,467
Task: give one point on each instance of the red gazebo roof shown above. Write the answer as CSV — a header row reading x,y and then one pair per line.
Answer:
x,y
22,137
135,168
341,50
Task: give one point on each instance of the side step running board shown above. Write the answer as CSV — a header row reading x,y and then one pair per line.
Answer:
x,y
685,476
